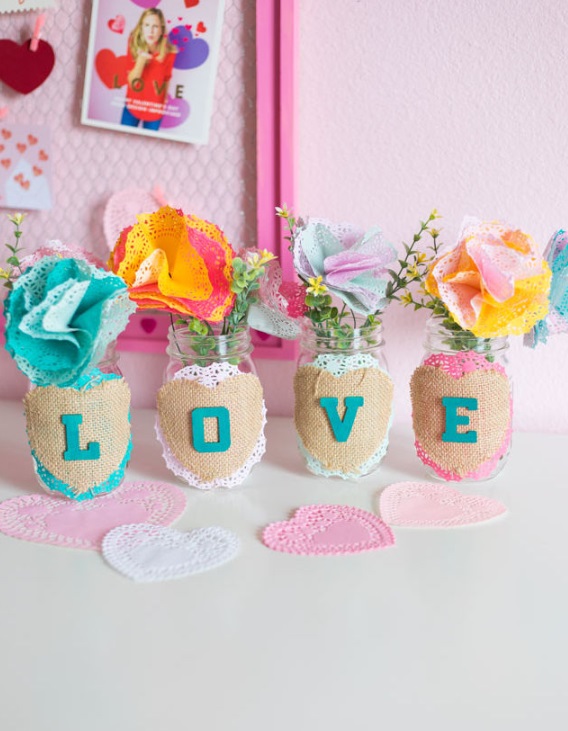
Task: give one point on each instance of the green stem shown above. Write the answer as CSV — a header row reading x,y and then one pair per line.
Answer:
x,y
180,351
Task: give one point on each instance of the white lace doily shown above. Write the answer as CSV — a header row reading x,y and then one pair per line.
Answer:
x,y
339,365
145,552
210,376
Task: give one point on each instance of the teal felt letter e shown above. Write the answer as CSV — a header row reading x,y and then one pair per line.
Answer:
x,y
341,428
453,419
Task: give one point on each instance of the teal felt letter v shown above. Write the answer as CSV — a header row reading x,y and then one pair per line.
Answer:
x,y
341,428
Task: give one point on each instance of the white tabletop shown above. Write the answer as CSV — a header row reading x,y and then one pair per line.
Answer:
x,y
449,630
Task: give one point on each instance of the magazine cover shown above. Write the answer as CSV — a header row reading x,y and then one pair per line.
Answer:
x,y
151,67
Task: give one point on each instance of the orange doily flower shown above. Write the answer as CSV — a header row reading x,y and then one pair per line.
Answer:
x,y
494,282
177,263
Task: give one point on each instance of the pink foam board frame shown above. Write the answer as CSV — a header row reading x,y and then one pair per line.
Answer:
x,y
275,133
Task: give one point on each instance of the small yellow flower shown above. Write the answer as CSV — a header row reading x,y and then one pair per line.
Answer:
x,y
17,218
253,260
283,212
4,274
420,257
316,286
266,256
413,272
434,233
406,298
259,259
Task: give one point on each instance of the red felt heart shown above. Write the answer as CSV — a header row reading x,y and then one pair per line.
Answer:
x,y
43,155
32,140
6,134
112,70
191,3
6,162
201,27
21,147
37,171
24,70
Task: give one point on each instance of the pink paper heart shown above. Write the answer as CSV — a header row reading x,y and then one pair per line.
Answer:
x,y
61,522
148,324
328,530
117,24
426,504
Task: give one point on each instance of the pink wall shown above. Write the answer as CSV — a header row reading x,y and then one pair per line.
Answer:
x,y
406,105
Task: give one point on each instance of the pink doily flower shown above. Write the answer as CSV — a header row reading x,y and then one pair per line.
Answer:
x,y
280,305
63,251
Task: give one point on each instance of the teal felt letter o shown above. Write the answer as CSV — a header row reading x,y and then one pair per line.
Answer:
x,y
198,417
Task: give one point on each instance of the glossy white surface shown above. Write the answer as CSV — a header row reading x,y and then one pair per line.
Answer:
x,y
454,630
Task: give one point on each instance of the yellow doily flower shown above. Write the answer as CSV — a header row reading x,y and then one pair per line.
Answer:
x,y
494,282
178,263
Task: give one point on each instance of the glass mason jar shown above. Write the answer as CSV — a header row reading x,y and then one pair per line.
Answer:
x,y
343,399
80,435
211,412
462,404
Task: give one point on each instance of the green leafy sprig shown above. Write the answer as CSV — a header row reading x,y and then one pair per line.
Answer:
x,y
248,271
14,268
413,270
414,266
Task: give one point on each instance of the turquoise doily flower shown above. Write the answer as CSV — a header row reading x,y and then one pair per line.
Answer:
x,y
60,317
556,254
352,264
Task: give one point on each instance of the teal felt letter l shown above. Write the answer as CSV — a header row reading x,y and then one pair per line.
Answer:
x,y
74,453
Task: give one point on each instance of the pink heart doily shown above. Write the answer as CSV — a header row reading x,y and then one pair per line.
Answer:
x,y
328,530
62,522
426,504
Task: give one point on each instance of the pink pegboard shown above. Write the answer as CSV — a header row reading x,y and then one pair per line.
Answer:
x,y
218,181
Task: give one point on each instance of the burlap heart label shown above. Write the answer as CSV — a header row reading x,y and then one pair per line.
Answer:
x,y
105,411
241,395
491,420
371,423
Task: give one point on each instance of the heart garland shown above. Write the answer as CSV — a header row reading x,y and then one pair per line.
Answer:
x,y
429,505
147,553
328,530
